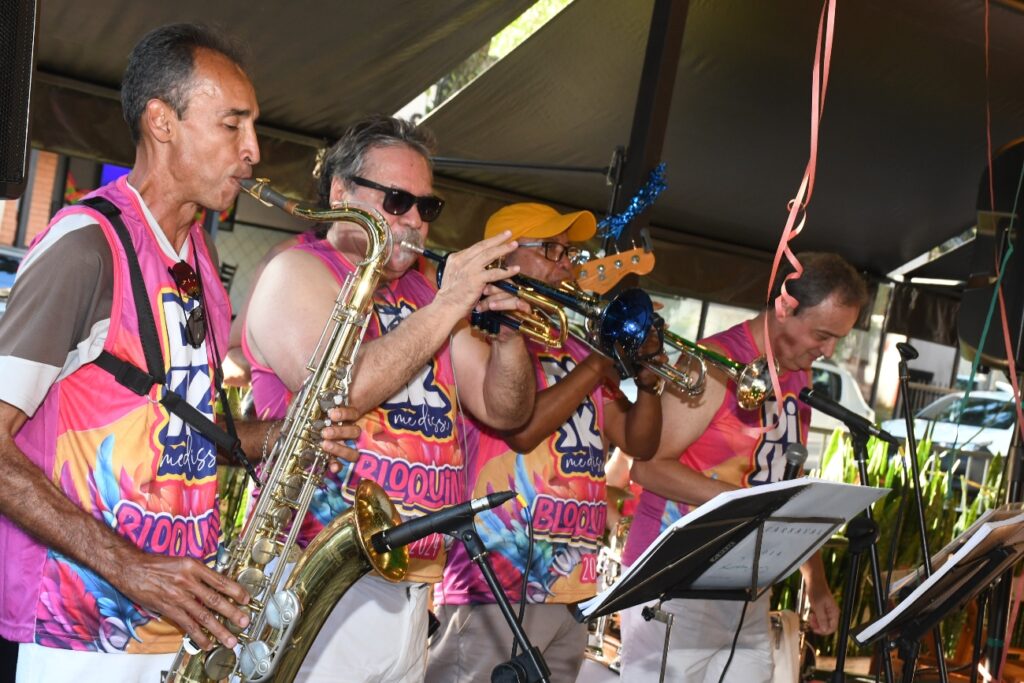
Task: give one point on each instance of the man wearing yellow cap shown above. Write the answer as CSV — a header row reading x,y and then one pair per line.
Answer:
x,y
556,463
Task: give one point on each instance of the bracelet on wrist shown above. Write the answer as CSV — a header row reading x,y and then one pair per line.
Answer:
x,y
266,437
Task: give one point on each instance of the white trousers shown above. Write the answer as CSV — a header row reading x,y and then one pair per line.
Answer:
x,y
38,664
377,633
476,638
701,639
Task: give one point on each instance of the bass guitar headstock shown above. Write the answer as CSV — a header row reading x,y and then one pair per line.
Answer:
x,y
601,274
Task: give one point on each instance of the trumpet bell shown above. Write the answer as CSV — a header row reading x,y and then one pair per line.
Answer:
x,y
626,321
754,384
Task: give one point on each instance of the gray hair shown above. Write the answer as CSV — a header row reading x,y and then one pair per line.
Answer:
x,y
347,157
825,274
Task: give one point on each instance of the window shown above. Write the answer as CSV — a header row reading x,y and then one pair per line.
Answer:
x,y
722,317
828,383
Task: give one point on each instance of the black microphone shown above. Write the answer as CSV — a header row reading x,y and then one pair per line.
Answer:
x,y
796,456
440,522
847,417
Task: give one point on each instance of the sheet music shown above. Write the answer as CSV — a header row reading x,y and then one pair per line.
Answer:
x,y
788,545
781,543
990,535
784,544
938,559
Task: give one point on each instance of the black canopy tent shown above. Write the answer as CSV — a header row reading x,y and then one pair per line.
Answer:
x,y
902,144
317,66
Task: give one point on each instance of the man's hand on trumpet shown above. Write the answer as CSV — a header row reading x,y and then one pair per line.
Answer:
x,y
468,275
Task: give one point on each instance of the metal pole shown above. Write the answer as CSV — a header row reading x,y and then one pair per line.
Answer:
x,y
654,97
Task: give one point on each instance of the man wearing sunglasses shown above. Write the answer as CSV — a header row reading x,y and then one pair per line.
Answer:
x,y
108,512
420,365
556,463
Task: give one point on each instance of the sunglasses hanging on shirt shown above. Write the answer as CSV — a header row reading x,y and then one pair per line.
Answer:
x,y
187,282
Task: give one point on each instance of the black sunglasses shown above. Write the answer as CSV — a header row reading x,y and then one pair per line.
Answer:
x,y
187,281
398,202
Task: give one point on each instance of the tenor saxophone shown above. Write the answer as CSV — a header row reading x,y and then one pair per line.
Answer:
x,y
285,614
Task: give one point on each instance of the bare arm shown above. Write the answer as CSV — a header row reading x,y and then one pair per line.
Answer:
x,y
257,434
636,427
556,403
495,378
182,589
296,294
237,371
824,616
684,420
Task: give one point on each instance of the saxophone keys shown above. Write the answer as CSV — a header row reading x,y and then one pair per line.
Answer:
x,y
306,458
219,663
264,550
328,401
282,514
255,660
251,579
282,609
292,486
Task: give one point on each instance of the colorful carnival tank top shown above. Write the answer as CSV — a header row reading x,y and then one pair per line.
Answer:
x,y
121,458
408,444
562,482
732,448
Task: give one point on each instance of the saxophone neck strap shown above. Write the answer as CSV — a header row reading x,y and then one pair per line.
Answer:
x,y
142,381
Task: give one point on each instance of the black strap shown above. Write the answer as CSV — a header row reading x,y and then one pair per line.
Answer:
x,y
218,380
147,325
128,375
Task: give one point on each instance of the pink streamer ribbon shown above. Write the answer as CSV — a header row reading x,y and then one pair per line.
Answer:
x,y
785,303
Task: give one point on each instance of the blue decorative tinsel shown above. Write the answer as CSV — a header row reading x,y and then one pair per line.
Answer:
x,y
611,227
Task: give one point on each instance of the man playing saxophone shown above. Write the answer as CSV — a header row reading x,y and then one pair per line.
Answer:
x,y
108,510
556,463
418,363
709,444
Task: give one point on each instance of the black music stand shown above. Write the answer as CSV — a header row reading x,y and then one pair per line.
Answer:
x,y
736,546
992,548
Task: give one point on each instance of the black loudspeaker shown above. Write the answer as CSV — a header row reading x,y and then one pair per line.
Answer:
x,y
18,21
998,228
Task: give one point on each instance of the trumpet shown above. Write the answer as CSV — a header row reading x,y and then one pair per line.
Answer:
x,y
616,327
753,383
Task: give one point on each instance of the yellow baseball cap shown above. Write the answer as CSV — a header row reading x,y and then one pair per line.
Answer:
x,y
528,219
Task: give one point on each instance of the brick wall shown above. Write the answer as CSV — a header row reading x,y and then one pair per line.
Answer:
x,y
42,195
8,220
39,202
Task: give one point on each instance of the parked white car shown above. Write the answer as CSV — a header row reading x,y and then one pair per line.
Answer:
x,y
985,424
835,382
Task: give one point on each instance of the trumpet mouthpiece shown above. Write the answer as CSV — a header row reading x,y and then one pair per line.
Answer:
x,y
411,246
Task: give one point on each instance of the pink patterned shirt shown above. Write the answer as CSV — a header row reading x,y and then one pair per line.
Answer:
x,y
732,448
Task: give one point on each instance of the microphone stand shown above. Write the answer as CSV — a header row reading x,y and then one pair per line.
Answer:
x,y
908,353
866,533
528,667
862,532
